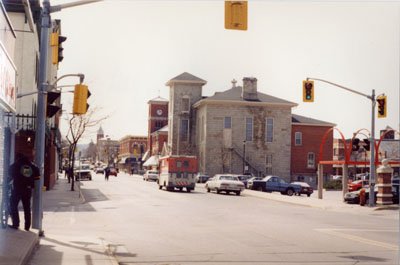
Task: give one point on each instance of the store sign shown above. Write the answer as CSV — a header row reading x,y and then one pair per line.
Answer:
x,y
7,81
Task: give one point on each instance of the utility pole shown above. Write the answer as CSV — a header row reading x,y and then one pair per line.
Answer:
x,y
45,24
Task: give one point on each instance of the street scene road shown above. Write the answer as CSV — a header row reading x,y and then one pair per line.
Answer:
x,y
130,221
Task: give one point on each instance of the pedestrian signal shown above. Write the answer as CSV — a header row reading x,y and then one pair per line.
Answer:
x,y
381,106
308,91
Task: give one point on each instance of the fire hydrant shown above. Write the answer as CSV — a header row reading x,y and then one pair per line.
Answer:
x,y
362,197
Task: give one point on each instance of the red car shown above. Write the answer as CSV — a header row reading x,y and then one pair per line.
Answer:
x,y
357,184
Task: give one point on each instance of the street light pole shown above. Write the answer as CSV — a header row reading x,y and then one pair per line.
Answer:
x,y
244,154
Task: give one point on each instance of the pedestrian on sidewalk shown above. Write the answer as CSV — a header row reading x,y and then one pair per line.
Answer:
x,y
107,172
23,173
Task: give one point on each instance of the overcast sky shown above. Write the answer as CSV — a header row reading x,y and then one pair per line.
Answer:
x,y
128,50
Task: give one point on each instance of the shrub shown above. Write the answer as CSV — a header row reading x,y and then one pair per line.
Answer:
x,y
334,185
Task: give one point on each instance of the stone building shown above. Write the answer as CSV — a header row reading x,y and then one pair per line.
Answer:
x,y
237,130
107,150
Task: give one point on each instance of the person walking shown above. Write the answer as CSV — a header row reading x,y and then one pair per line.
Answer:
x,y
23,173
107,172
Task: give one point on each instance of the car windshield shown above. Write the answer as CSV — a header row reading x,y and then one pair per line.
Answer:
x,y
153,172
85,167
228,178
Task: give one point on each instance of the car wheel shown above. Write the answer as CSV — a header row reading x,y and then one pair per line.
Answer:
x,y
188,189
218,191
289,192
159,187
238,193
308,194
180,189
259,188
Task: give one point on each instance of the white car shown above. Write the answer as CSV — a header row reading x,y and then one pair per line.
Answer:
x,y
225,182
151,175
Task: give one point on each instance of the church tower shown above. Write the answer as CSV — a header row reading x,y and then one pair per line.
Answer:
x,y
100,134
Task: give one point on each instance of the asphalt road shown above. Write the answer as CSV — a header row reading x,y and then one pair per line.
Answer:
x,y
144,225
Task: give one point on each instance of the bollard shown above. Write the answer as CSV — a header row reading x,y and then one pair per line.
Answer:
x,y
362,197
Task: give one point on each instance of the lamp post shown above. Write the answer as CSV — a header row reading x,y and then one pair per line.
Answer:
x,y
244,155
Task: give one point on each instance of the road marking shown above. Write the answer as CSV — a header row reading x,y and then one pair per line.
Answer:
x,y
358,238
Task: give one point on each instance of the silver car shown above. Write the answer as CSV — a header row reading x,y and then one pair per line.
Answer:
x,y
151,175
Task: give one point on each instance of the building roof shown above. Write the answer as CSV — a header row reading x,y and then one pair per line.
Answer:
x,y
301,120
162,130
186,78
158,99
235,94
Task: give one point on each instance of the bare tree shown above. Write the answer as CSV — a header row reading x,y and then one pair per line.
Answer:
x,y
78,126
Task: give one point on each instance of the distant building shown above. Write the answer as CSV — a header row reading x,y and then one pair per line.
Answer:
x,y
107,150
131,152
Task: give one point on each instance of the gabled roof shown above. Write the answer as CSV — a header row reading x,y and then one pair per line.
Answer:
x,y
235,94
162,130
158,99
301,120
186,78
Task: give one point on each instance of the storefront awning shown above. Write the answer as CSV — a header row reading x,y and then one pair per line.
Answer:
x,y
152,161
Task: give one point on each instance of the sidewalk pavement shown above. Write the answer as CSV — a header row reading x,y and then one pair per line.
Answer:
x,y
16,246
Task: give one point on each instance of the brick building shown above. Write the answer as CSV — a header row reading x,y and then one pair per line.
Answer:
x,y
131,152
306,141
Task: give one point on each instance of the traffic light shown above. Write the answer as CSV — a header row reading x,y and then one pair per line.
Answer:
x,y
381,106
81,94
51,110
308,91
355,144
367,144
55,41
236,15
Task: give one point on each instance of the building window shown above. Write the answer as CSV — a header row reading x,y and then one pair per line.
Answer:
x,y
268,165
158,125
185,104
228,123
311,160
269,130
179,164
249,129
185,164
184,130
298,138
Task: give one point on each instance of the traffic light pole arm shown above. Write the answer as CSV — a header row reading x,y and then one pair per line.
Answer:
x,y
81,78
73,4
345,88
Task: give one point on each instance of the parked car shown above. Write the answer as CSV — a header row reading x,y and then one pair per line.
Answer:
x,y
202,178
225,182
275,183
244,179
357,184
113,171
337,178
82,172
305,188
354,196
251,180
151,175
99,170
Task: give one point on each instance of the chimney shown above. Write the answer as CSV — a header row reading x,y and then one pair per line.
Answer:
x,y
249,90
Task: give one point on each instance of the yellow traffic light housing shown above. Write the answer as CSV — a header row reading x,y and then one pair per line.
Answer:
x,y
55,42
308,91
381,106
81,94
236,15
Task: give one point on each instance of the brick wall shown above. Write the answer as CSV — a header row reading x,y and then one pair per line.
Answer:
x,y
311,142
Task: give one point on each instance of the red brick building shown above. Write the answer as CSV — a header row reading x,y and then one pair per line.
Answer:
x,y
158,138
158,118
131,152
306,141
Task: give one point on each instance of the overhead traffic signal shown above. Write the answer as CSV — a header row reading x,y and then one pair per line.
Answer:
x,y
381,106
81,94
56,42
308,91
236,15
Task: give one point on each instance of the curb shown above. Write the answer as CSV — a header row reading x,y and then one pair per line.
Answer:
x,y
29,252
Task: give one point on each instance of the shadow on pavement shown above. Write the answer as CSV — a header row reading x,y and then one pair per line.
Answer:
x,y
94,195
53,257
